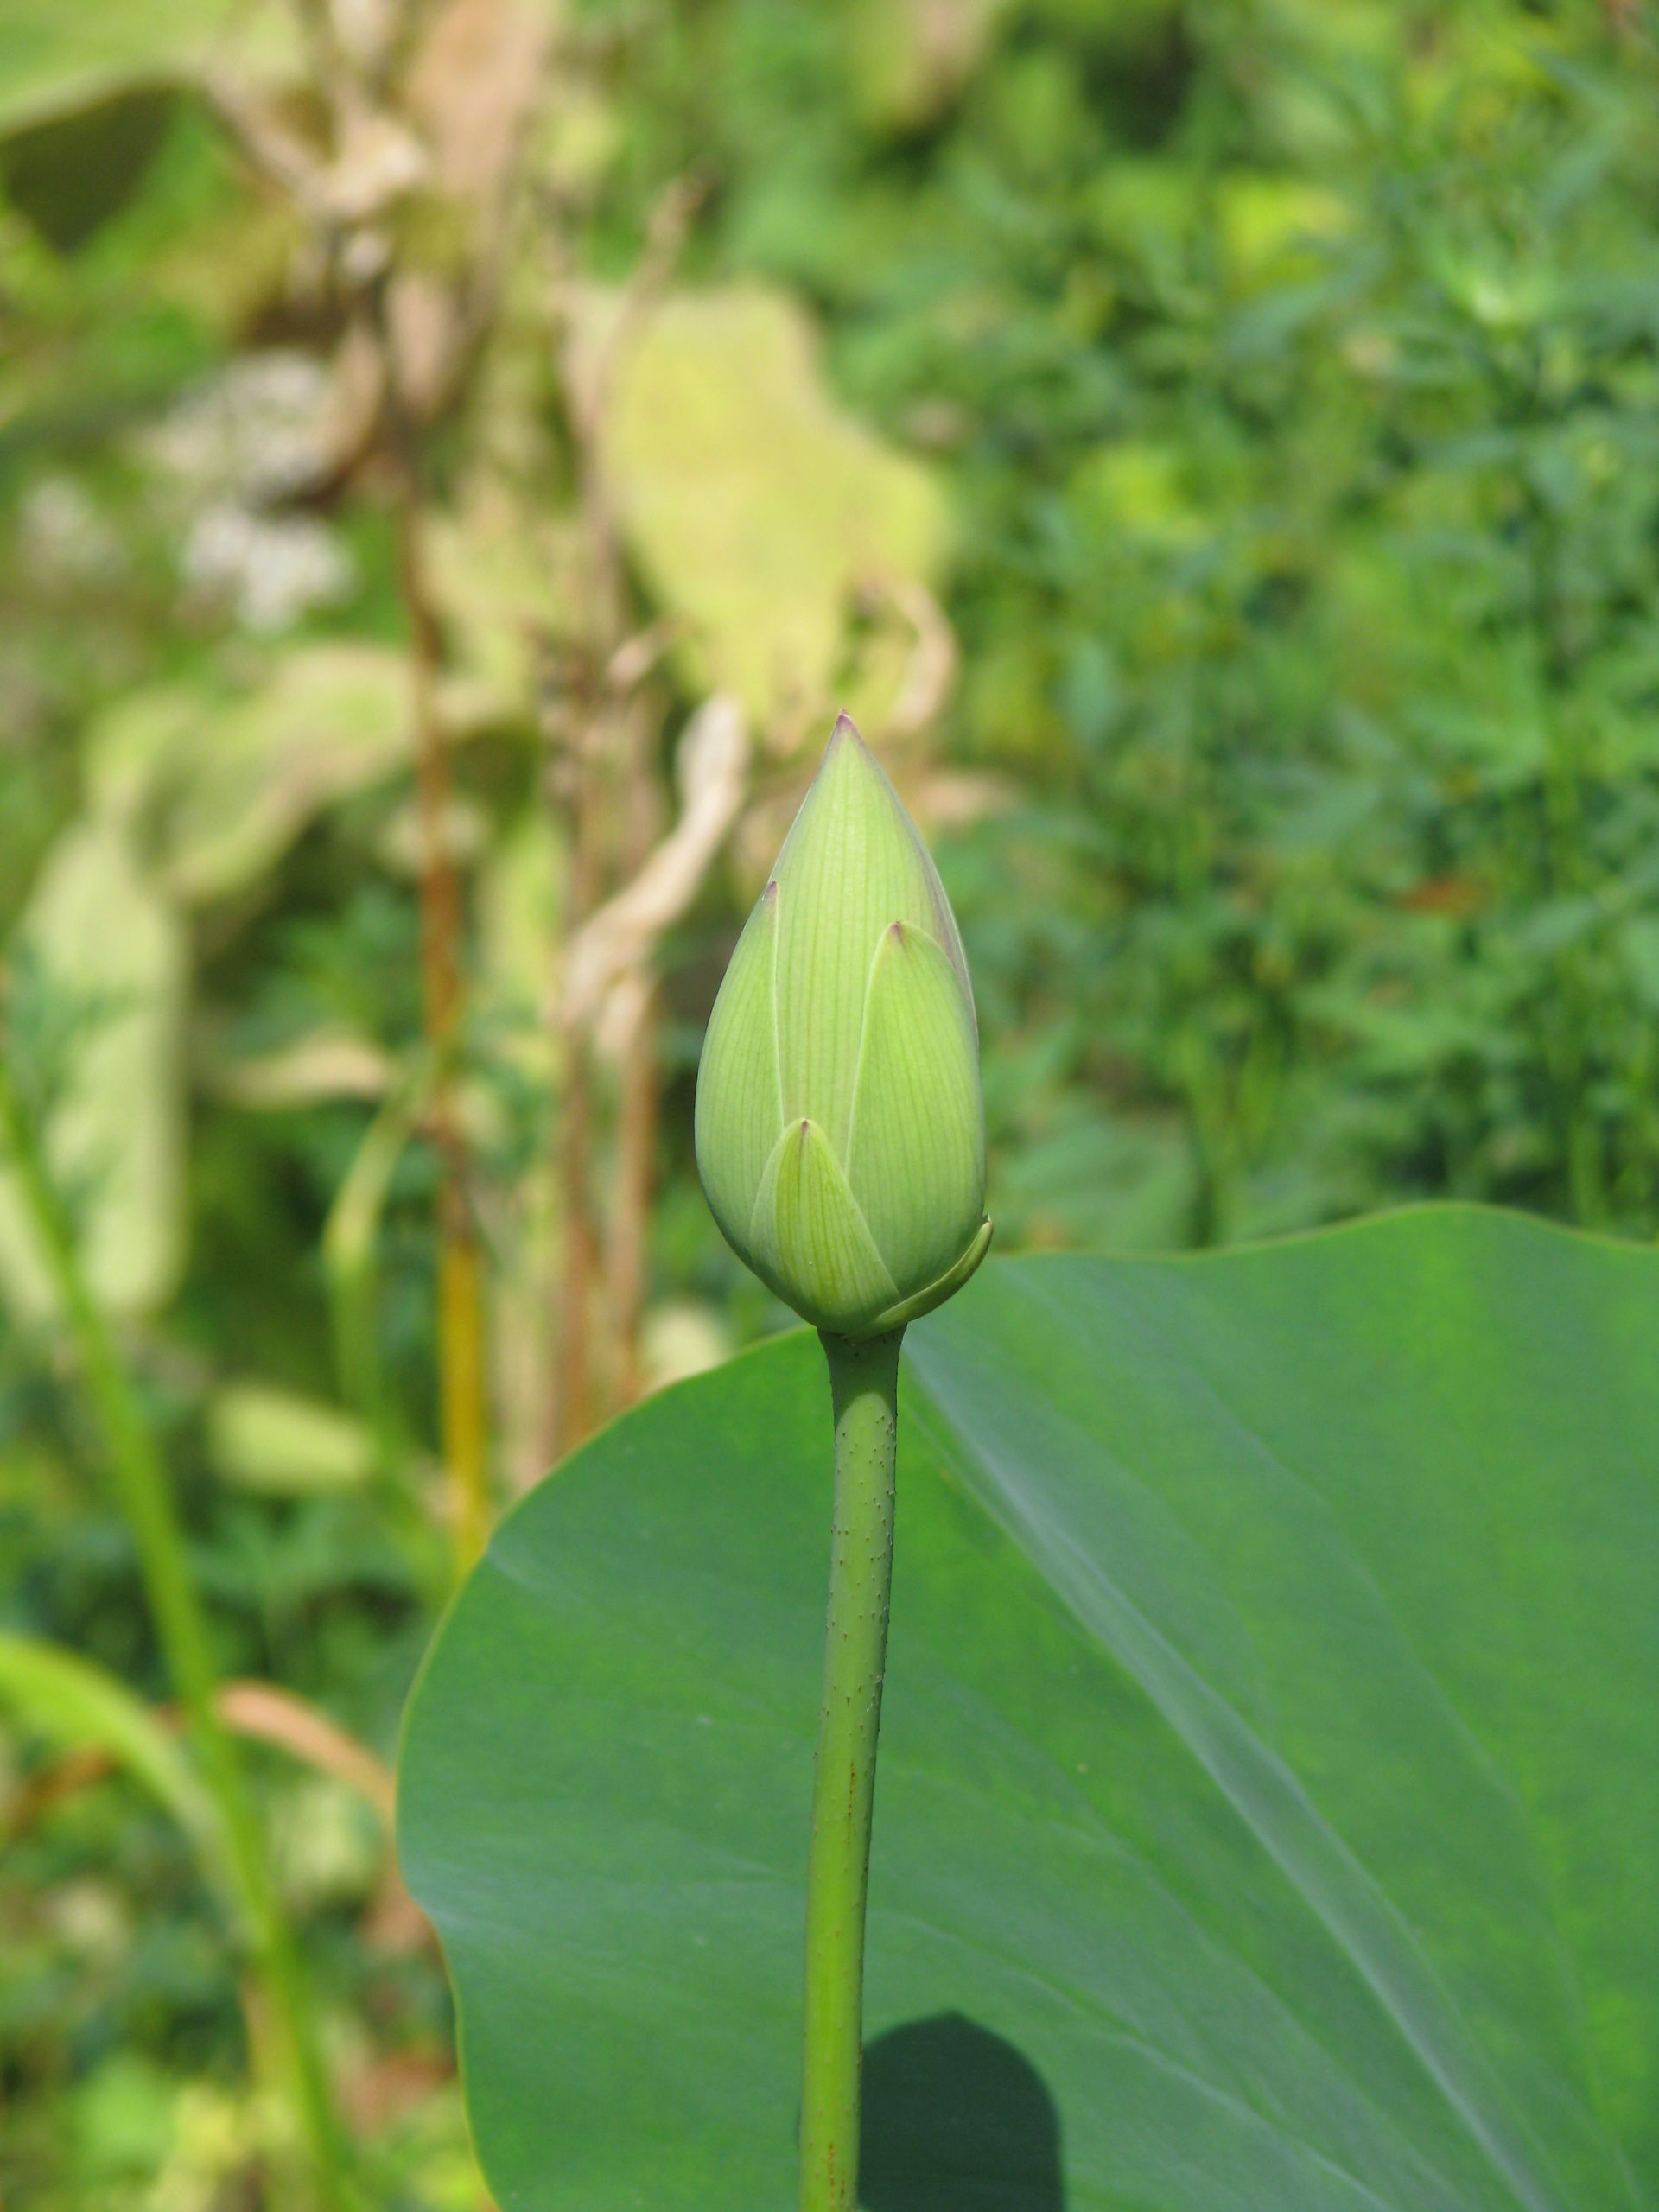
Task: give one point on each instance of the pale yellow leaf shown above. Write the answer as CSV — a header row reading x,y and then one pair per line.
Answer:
x,y
757,507
112,952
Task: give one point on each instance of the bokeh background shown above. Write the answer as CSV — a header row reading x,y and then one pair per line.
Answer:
x,y
456,456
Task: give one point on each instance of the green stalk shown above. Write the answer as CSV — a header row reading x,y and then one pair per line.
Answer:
x,y
864,1391
146,1499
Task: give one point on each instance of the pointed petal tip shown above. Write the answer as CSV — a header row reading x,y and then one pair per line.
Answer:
x,y
847,738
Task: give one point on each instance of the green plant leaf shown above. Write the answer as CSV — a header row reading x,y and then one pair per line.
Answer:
x,y
1270,1763
79,1707
68,174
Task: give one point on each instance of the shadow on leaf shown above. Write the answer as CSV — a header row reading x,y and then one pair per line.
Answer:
x,y
956,2119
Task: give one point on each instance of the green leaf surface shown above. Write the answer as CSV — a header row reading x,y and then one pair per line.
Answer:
x,y
1270,1765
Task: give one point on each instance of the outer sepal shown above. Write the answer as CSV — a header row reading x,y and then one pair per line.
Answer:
x,y
924,1301
810,1242
915,1140
852,863
739,1109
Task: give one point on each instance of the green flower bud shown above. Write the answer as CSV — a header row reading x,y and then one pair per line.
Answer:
x,y
841,1136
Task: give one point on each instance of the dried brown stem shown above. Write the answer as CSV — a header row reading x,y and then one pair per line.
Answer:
x,y
462,1390
638,1103
607,782
572,1410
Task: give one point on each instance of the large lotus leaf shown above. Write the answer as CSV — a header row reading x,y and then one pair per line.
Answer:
x,y
1269,1785
756,506
109,955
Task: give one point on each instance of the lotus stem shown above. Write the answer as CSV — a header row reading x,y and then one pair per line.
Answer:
x,y
864,1391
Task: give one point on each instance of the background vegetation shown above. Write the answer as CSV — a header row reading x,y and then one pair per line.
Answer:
x,y
454,457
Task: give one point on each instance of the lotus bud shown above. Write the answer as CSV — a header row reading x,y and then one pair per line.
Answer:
x,y
840,1131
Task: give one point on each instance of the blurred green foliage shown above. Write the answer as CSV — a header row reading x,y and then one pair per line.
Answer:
x,y
1270,389
1294,371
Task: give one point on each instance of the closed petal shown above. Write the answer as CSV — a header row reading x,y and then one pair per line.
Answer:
x,y
738,1113
916,1148
808,1241
853,863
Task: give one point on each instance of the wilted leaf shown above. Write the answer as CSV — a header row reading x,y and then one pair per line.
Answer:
x,y
263,1439
503,574
268,1715
220,792
521,886
57,55
333,718
470,93
756,506
327,1062
1270,1766
109,959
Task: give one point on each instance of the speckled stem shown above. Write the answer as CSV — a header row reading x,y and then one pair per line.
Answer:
x,y
864,1390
